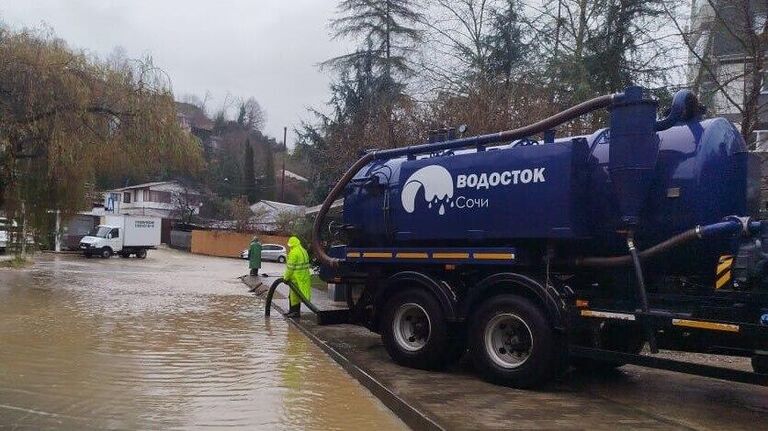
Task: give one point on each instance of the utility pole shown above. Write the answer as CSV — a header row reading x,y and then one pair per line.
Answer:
x,y
23,230
285,154
57,242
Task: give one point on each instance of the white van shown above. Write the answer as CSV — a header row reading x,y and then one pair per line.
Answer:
x,y
124,235
5,236
6,227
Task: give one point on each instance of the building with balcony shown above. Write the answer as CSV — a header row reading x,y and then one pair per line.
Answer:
x,y
171,201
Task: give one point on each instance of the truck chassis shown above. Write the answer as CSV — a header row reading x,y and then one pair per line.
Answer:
x,y
447,299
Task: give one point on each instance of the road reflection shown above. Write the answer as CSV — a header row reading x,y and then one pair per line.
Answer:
x,y
170,342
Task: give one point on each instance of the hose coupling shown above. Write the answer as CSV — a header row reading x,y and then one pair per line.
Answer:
x,y
743,221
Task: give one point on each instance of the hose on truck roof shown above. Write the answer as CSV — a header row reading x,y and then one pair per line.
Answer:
x,y
509,135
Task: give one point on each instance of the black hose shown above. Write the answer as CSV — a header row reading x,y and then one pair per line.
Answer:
x,y
317,246
615,261
642,294
730,226
271,292
548,123
522,132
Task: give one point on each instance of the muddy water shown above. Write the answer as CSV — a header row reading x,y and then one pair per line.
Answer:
x,y
170,342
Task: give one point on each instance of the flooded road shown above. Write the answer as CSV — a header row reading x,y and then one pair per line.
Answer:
x,y
172,341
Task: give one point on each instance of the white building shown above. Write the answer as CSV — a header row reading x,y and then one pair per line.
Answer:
x,y
268,214
169,200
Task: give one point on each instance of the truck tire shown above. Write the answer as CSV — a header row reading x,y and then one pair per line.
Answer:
x,y
512,342
414,331
760,364
105,253
141,254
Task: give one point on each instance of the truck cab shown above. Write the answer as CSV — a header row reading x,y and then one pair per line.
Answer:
x,y
124,236
103,240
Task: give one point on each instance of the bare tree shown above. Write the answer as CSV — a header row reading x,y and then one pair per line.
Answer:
x,y
186,203
66,118
242,214
727,43
254,116
458,32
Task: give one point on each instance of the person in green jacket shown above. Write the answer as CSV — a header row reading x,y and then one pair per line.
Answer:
x,y
297,273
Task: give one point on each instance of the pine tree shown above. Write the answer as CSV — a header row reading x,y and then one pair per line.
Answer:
x,y
241,116
386,30
505,46
598,47
249,177
269,173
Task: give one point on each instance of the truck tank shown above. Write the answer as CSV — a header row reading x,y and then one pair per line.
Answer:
x,y
639,232
561,191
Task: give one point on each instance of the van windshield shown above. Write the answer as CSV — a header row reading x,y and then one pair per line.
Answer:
x,y
100,231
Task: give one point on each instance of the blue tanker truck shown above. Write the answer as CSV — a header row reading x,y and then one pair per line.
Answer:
x,y
534,255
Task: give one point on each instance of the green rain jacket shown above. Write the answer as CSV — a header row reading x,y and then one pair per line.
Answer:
x,y
297,270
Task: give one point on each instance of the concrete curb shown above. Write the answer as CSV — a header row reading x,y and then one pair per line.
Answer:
x,y
409,414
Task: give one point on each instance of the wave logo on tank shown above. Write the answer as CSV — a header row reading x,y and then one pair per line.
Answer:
x,y
437,183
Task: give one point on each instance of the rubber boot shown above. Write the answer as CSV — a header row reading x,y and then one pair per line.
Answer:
x,y
294,311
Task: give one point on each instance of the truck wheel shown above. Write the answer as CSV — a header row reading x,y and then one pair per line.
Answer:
x,y
760,364
141,254
105,253
414,331
512,342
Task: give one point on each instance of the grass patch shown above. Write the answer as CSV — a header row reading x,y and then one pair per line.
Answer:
x,y
16,262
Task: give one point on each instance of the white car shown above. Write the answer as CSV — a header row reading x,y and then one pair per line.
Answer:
x,y
273,252
5,236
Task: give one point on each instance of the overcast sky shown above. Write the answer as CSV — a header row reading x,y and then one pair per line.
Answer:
x,y
268,49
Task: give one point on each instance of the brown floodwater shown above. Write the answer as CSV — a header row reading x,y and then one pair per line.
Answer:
x,y
171,342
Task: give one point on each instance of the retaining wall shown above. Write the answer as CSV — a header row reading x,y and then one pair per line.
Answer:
x,y
227,243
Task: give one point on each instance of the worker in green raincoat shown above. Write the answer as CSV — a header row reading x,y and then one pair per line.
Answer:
x,y
297,273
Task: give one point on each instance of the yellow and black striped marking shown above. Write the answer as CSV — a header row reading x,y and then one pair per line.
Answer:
x,y
723,273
